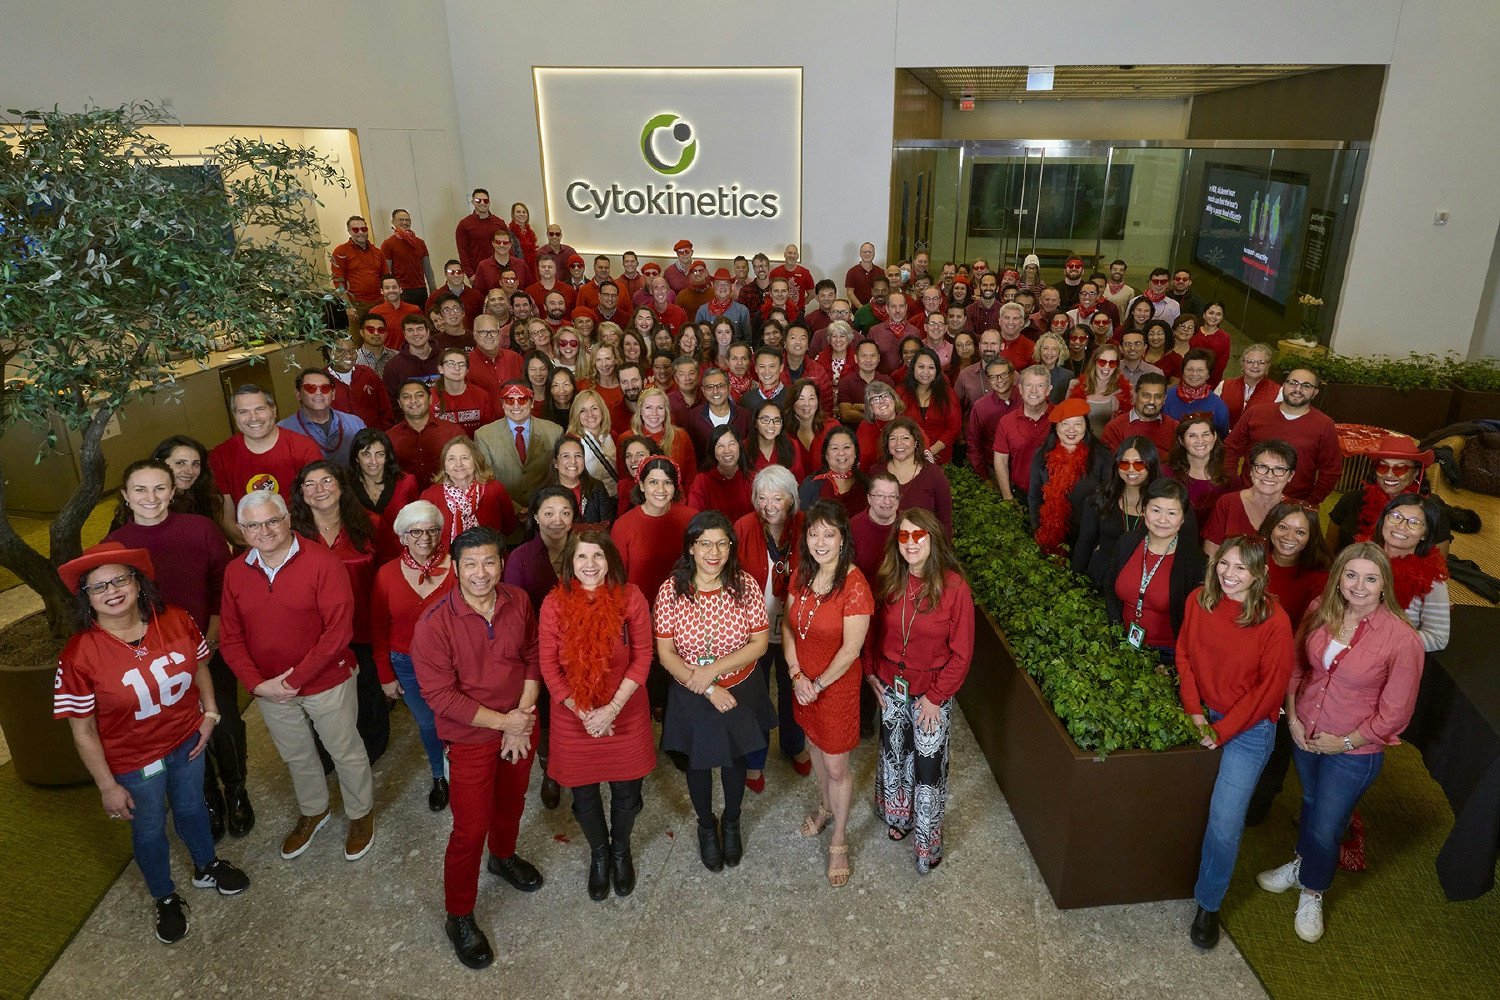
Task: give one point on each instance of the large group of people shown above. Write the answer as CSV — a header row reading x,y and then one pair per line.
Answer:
x,y
571,517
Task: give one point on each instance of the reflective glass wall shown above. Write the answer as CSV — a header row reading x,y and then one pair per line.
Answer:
x,y
1258,226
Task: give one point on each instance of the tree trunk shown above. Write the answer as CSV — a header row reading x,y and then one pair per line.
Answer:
x,y
65,533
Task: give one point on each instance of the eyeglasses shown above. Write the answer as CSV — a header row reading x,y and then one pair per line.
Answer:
x,y
1108,363
705,545
317,390
1396,517
1292,383
325,482
118,583
883,497
481,201
554,232
501,243
359,229
265,525
907,537
1128,466
455,363
424,532
1393,468
1274,471
768,419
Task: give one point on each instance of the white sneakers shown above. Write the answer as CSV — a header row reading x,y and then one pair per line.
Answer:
x,y
1288,876
1309,920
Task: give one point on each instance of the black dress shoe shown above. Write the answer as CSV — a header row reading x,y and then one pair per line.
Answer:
x,y
599,873
709,849
469,942
214,799
623,868
551,792
1205,930
437,799
517,871
734,846
241,816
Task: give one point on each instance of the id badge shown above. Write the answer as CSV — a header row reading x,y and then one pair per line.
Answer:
x,y
706,661
152,769
1135,635
902,689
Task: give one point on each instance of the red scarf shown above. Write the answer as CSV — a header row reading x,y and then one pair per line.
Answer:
x,y
589,623
1413,576
739,384
429,570
1369,511
525,242
1188,394
408,237
835,477
717,308
1114,289
1154,298
898,330
1064,469
880,311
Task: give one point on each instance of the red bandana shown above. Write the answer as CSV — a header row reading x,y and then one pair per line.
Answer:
x,y
717,308
430,570
1157,297
1188,394
590,622
1413,576
408,237
1064,469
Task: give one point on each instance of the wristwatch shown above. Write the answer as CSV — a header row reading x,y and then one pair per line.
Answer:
x,y
708,692
1348,742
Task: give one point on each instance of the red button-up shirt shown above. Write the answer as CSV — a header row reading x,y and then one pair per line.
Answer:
x,y
1373,690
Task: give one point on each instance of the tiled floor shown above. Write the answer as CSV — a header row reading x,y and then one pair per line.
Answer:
x,y
983,925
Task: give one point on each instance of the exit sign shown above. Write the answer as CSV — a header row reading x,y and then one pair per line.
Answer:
x,y
966,103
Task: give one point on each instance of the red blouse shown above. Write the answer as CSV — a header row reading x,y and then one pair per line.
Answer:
x,y
938,423
934,645
394,610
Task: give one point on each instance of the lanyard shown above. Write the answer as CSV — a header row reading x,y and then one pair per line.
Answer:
x,y
710,632
1140,598
907,626
780,566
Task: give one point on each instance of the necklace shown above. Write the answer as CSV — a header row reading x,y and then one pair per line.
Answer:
x,y
802,625
137,647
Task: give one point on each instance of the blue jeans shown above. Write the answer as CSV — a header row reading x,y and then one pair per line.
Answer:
x,y
426,723
1332,785
1240,762
790,735
181,784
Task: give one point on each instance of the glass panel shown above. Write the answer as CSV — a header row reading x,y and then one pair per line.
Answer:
x,y
924,194
1141,213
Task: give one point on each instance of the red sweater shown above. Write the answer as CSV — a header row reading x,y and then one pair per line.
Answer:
x,y
1238,671
939,423
303,621
463,661
364,397
650,546
189,554
711,491
940,646
394,610
1319,458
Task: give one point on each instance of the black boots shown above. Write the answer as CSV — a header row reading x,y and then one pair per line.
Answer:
x,y
708,846
1205,930
734,846
621,823
214,799
469,942
590,816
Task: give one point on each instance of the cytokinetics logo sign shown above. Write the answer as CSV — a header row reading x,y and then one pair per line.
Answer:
x,y
681,131
713,156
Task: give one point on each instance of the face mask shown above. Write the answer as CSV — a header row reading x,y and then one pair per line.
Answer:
x,y
905,275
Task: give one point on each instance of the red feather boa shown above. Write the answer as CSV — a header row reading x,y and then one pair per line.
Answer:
x,y
1414,576
1369,511
589,623
1064,469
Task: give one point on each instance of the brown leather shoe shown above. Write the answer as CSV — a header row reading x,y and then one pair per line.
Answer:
x,y
361,836
302,834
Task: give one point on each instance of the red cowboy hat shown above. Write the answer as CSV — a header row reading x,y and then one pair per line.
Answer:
x,y
1399,448
104,554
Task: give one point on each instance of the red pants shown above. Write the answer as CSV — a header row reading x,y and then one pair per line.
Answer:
x,y
486,795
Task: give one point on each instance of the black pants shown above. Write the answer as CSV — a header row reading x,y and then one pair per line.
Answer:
x,y
700,783
224,762
624,796
1272,776
374,719
416,296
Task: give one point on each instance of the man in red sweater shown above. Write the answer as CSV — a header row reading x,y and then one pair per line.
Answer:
x,y
487,271
668,312
1145,418
1320,461
393,308
475,654
286,619
475,230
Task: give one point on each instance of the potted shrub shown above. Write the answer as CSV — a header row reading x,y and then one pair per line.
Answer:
x,y
121,261
1086,738
1412,394
1476,390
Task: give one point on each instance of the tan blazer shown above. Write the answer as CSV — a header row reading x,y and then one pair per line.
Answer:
x,y
498,442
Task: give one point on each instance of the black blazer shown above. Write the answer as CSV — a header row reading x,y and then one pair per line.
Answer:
x,y
1188,567
1099,535
1094,473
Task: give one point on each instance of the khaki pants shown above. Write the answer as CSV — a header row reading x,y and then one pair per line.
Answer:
x,y
332,713
360,308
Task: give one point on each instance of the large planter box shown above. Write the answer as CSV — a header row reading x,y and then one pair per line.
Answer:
x,y
1418,413
1471,405
1125,829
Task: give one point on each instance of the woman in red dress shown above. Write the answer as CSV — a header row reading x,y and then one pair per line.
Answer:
x,y
1272,465
594,634
828,611
468,493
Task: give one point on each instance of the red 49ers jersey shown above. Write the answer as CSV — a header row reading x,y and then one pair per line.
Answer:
x,y
143,697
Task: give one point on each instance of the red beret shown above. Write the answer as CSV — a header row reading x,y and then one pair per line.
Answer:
x,y
651,267
1070,407
682,245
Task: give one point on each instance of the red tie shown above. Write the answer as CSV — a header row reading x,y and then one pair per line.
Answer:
x,y
521,444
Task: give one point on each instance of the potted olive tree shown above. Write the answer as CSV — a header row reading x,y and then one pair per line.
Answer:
x,y
119,262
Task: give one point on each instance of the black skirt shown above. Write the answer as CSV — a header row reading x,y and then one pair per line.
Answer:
x,y
710,738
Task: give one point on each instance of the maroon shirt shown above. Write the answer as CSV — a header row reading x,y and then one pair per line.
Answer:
x,y
1018,436
463,661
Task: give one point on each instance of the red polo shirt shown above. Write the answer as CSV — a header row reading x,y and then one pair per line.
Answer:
x,y
1018,436
358,271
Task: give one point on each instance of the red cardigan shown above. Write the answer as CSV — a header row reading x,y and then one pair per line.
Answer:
x,y
939,423
303,621
755,556
1239,671
394,610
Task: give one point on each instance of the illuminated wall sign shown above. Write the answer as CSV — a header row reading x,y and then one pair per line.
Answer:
x,y
637,159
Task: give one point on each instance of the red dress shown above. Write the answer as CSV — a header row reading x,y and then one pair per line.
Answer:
x,y
576,757
832,721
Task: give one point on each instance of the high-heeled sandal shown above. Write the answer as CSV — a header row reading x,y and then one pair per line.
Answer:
x,y
816,822
839,876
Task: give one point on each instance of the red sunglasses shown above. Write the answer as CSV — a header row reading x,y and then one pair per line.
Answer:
x,y
1107,363
914,535
1128,466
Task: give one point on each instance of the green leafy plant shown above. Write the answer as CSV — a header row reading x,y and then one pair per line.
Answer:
x,y
1107,693
1482,375
1415,371
119,261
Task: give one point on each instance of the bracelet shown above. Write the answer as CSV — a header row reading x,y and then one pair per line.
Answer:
x,y
797,675
1348,742
708,692
215,716
819,684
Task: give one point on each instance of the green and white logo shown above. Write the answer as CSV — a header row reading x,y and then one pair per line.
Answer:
x,y
681,131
